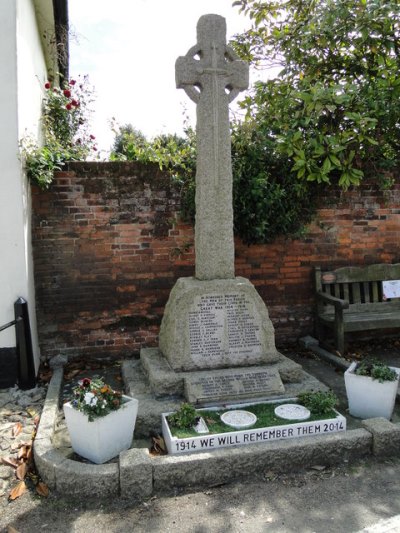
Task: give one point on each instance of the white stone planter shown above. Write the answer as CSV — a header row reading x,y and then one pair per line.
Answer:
x,y
105,437
367,397
208,442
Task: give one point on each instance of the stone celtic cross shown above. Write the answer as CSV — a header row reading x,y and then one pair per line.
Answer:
x,y
212,76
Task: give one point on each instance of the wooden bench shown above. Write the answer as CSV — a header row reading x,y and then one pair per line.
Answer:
x,y
351,299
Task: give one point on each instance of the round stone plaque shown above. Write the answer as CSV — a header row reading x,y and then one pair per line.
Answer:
x,y
239,419
292,411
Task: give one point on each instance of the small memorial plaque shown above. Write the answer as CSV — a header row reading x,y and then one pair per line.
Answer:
x,y
201,426
239,419
220,385
292,411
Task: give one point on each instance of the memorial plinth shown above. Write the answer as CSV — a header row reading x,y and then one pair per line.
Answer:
x,y
216,324
216,339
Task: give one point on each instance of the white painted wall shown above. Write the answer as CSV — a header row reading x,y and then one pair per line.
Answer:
x,y
23,69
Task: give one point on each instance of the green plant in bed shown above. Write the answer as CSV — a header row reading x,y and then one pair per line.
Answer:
x,y
264,412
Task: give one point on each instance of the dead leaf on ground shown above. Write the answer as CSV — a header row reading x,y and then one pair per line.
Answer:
x,y
16,430
42,489
21,471
9,461
36,420
11,529
31,412
29,453
45,376
71,374
23,451
158,446
18,491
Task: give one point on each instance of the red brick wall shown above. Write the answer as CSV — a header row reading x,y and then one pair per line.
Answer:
x,y
108,247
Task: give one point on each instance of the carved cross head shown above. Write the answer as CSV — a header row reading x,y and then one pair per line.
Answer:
x,y
211,65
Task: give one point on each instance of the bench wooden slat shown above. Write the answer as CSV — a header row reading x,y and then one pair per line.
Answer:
x,y
337,290
368,273
361,287
346,291
356,293
375,291
366,292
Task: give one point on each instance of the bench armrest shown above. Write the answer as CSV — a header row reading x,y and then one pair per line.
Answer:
x,y
332,300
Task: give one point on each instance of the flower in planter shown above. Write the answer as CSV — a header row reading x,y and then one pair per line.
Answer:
x,y
376,370
95,398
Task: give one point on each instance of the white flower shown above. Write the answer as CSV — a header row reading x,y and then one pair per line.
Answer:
x,y
90,398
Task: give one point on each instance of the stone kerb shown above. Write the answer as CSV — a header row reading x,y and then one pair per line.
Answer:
x,y
386,436
137,475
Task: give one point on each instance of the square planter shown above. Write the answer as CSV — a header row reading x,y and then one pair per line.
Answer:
x,y
208,442
369,398
106,436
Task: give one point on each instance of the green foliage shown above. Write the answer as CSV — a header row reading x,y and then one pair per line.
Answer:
x,y
65,127
334,108
319,402
266,201
376,370
184,418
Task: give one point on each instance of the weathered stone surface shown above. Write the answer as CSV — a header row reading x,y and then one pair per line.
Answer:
x,y
164,381
233,384
150,407
47,460
148,420
202,469
212,76
58,361
216,324
87,480
386,436
136,474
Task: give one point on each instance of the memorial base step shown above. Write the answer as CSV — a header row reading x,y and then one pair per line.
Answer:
x,y
208,386
151,407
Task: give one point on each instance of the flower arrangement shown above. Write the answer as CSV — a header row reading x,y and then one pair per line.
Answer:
x,y
95,398
376,370
66,133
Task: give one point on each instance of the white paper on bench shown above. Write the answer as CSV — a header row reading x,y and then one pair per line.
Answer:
x,y
391,289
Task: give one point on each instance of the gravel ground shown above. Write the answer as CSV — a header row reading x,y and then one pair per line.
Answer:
x,y
19,415
347,498
344,499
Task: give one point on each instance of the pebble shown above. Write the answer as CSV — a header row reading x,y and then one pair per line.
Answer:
x,y
3,487
5,472
15,406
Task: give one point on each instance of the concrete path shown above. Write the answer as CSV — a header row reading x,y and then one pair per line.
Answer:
x,y
345,499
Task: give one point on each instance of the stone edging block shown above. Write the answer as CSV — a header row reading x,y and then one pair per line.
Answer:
x,y
386,436
88,480
229,463
137,475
